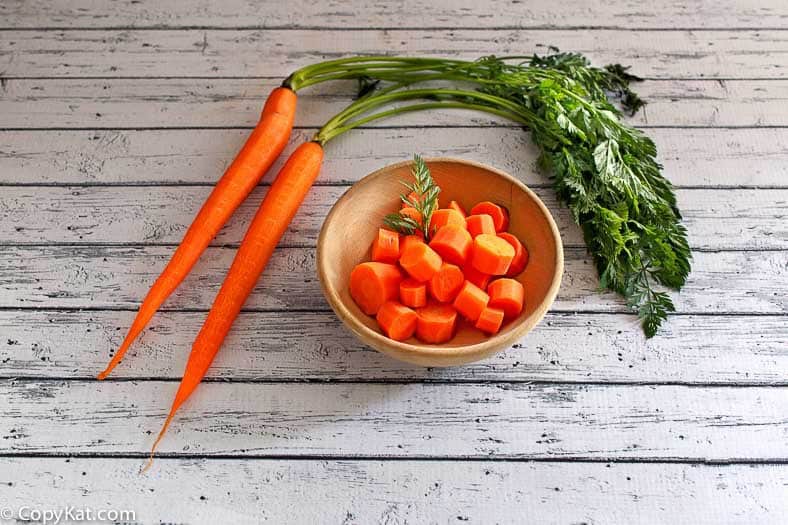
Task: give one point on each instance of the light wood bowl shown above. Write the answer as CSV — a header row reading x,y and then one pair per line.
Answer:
x,y
354,220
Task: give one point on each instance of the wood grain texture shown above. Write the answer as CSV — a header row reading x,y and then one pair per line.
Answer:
x,y
448,14
276,53
400,420
119,276
692,157
392,492
281,346
755,219
174,102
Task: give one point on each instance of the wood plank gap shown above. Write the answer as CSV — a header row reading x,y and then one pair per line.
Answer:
x,y
448,459
361,381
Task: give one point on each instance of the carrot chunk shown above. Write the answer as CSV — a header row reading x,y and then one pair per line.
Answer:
x,y
435,323
412,293
490,320
420,261
454,205
471,301
453,243
491,254
410,239
396,320
385,247
446,283
499,214
413,213
520,259
444,217
508,295
476,277
374,283
412,197
479,224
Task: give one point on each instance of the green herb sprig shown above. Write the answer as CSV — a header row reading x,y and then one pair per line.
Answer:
x,y
425,201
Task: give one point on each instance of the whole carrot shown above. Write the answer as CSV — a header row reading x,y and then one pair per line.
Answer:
x,y
269,224
261,149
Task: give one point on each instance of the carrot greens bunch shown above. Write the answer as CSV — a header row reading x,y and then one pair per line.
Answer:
x,y
604,170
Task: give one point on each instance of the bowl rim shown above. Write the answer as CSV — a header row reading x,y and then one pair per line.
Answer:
x,y
488,346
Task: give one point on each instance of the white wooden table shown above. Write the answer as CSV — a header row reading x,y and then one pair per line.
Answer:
x,y
116,119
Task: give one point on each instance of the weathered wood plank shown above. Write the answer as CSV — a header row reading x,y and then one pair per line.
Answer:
x,y
692,157
716,219
313,345
276,53
400,420
145,102
118,277
448,14
330,491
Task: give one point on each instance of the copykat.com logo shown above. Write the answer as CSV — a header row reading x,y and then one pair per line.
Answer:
x,y
65,515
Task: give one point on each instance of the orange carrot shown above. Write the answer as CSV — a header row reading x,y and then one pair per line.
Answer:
x,y
446,283
417,237
269,224
490,320
261,149
520,259
413,213
454,205
412,293
396,320
499,214
476,277
444,217
508,295
412,197
385,247
479,224
471,301
453,243
435,323
491,254
420,261
374,283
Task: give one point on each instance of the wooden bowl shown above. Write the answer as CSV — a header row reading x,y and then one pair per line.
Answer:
x,y
354,220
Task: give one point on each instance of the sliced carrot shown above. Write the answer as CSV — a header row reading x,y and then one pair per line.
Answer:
x,y
476,277
412,197
413,293
490,320
385,247
454,205
444,217
479,224
435,323
453,243
410,239
413,213
491,254
520,259
374,283
446,283
471,301
498,213
508,295
420,261
396,320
